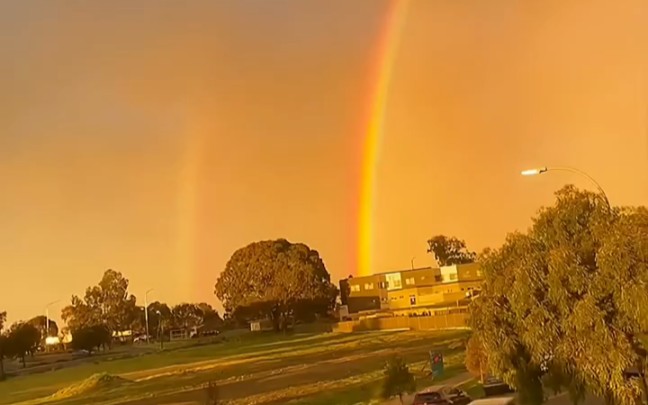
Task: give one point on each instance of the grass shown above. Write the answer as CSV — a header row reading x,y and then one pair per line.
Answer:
x,y
271,369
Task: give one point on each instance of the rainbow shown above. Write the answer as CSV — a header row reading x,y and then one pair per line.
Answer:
x,y
387,51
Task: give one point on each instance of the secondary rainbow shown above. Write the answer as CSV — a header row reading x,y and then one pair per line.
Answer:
x,y
387,51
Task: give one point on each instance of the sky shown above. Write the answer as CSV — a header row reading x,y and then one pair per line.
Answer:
x,y
157,137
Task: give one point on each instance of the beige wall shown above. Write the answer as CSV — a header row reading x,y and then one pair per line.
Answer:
x,y
437,322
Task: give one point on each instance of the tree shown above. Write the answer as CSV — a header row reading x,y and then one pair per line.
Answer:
x,y
40,322
272,279
5,352
449,251
564,305
398,379
4,345
22,339
209,314
91,338
476,357
107,303
157,311
187,316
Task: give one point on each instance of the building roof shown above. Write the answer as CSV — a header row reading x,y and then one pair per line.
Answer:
x,y
391,272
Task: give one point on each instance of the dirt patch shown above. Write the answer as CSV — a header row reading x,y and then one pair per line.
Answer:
x,y
91,384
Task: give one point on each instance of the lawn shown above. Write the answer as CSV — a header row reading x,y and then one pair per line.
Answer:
x,y
262,369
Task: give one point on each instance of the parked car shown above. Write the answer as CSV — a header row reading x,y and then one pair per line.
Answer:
x,y
441,395
494,386
505,400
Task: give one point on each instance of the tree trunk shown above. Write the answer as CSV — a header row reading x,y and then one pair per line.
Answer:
x,y
2,372
400,396
22,358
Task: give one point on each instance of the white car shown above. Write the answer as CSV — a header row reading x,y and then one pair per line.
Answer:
x,y
505,400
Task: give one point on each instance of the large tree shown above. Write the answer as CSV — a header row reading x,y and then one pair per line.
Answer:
x,y
159,315
107,303
91,338
4,344
565,303
272,279
22,339
186,316
450,250
40,322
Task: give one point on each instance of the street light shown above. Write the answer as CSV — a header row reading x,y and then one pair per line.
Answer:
x,y
160,329
539,170
47,318
146,314
412,262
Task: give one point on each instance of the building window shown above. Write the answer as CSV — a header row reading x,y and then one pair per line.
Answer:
x,y
453,277
409,281
368,286
412,299
438,279
383,285
355,287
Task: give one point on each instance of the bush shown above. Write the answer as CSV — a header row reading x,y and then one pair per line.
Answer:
x,y
398,379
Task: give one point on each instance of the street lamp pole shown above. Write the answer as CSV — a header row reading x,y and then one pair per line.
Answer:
x,y
544,169
412,262
47,318
146,314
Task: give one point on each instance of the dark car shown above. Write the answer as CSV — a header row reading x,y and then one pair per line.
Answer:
x,y
495,386
441,395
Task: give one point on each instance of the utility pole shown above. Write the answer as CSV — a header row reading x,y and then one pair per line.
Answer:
x,y
146,314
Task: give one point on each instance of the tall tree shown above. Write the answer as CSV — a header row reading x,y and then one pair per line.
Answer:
x,y
40,322
565,304
272,278
186,315
91,338
450,250
22,339
107,303
159,315
476,357
4,344
398,379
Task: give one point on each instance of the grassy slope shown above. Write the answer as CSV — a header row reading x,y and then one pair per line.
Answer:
x,y
266,368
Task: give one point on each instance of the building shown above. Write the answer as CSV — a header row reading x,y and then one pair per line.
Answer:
x,y
411,291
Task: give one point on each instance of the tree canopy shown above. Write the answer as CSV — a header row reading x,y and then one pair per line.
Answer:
x,y
450,250
91,338
22,339
107,303
398,379
40,322
565,305
275,279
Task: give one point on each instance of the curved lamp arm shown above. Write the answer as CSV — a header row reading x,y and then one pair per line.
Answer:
x,y
544,169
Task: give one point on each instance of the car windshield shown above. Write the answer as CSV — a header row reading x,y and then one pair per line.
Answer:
x,y
302,202
429,397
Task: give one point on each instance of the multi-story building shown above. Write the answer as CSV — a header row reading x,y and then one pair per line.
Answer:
x,y
411,291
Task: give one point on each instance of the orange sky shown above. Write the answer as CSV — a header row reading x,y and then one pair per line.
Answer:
x,y
156,140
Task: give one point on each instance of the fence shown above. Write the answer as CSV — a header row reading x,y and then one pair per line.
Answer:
x,y
433,322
